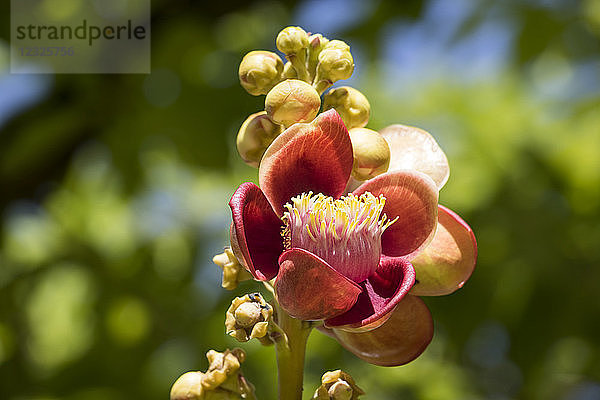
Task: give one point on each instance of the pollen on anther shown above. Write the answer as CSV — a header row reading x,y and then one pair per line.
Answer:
x,y
345,232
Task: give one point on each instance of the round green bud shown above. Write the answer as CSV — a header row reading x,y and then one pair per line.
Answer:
x,y
371,153
334,65
291,40
259,71
256,134
292,101
352,105
188,387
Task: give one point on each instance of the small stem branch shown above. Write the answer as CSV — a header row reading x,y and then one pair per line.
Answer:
x,y
321,86
290,355
298,61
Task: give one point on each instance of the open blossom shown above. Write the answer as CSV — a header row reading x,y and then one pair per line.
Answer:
x,y
344,258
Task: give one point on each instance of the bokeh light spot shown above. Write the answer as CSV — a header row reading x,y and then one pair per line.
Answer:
x,y
128,320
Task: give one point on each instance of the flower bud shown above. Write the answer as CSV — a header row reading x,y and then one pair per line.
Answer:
x,y
233,271
316,44
222,366
291,40
338,45
255,135
248,317
335,62
337,385
371,153
340,390
188,387
222,381
352,105
292,101
259,71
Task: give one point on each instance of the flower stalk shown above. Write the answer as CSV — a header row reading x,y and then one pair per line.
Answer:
x,y
290,349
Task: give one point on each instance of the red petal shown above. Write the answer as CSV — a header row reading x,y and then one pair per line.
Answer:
x,y
448,261
309,289
381,292
401,339
411,196
256,231
315,156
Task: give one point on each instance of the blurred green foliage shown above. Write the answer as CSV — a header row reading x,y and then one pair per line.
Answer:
x,y
114,192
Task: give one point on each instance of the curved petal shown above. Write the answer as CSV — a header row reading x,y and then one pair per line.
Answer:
x,y
381,292
449,260
412,197
413,148
315,156
401,339
309,289
256,231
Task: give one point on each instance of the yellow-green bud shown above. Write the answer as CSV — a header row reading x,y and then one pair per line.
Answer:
x,y
335,62
247,314
289,72
188,387
352,105
371,153
291,40
259,71
233,271
337,44
340,390
256,134
316,44
337,385
222,381
248,317
222,366
292,101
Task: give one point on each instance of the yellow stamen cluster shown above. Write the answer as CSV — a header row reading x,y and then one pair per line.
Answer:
x,y
338,219
346,232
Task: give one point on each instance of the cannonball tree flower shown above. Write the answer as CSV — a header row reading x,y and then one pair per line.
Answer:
x,y
341,259
347,259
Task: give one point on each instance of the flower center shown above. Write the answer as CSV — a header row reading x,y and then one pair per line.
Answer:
x,y
346,232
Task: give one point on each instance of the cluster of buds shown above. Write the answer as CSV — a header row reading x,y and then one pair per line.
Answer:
x,y
248,317
222,381
293,95
344,217
337,385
